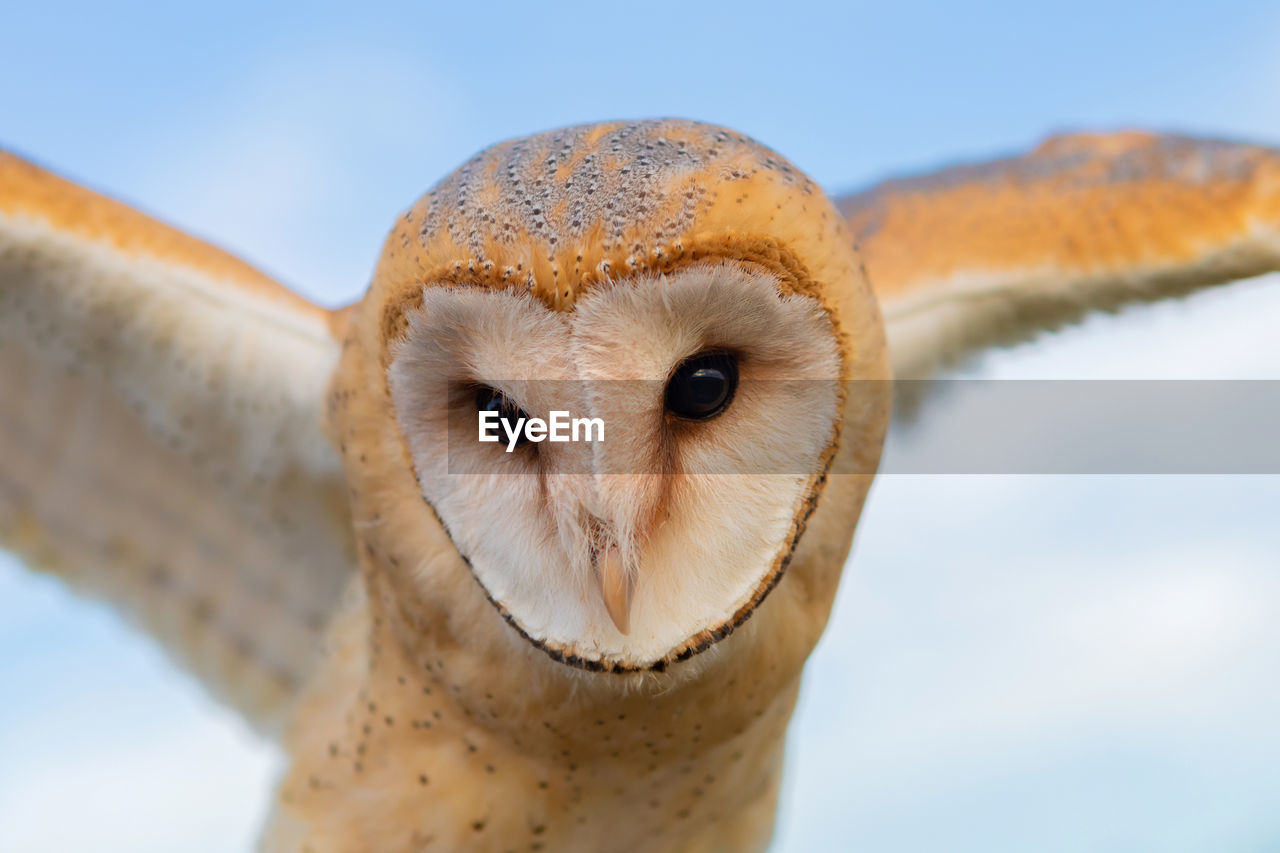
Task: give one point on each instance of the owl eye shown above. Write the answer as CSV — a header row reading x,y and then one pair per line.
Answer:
x,y
493,400
702,387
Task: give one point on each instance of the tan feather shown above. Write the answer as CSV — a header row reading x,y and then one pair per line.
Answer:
x,y
161,441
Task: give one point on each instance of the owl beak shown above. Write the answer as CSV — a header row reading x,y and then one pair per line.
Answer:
x,y
616,586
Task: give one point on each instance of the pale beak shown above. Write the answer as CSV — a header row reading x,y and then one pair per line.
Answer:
x,y
616,586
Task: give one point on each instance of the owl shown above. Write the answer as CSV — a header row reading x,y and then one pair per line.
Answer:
x,y
528,644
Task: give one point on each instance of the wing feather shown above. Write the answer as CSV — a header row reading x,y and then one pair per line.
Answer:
x,y
990,254
161,436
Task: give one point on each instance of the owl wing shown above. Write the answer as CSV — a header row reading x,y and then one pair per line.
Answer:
x,y
161,436
986,255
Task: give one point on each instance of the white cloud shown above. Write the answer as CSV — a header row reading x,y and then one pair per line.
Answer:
x,y
146,765
1224,333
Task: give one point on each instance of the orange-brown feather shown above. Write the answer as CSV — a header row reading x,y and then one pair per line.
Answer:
x,y
29,190
1083,203
982,255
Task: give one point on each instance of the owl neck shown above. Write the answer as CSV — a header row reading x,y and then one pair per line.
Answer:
x,y
469,751
517,694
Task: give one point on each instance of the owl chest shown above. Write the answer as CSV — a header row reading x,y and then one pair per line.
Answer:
x,y
411,767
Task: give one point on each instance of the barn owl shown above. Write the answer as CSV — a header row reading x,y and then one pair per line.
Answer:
x,y
543,646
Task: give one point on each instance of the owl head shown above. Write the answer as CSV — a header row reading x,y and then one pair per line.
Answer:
x,y
691,299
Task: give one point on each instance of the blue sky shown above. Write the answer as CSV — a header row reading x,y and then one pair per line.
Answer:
x,y
1014,663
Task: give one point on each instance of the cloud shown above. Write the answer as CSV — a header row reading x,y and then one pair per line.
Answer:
x,y
989,664
123,754
1224,333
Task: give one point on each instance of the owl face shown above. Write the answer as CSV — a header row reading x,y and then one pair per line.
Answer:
x,y
719,401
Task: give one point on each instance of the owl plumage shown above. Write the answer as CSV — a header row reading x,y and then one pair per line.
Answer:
x,y
598,651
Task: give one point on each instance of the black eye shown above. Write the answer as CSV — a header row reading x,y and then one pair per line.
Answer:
x,y
702,387
493,400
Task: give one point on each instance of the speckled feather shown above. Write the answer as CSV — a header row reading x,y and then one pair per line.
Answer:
x,y
558,212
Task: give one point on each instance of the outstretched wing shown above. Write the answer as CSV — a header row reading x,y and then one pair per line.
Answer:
x,y
161,435
986,255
